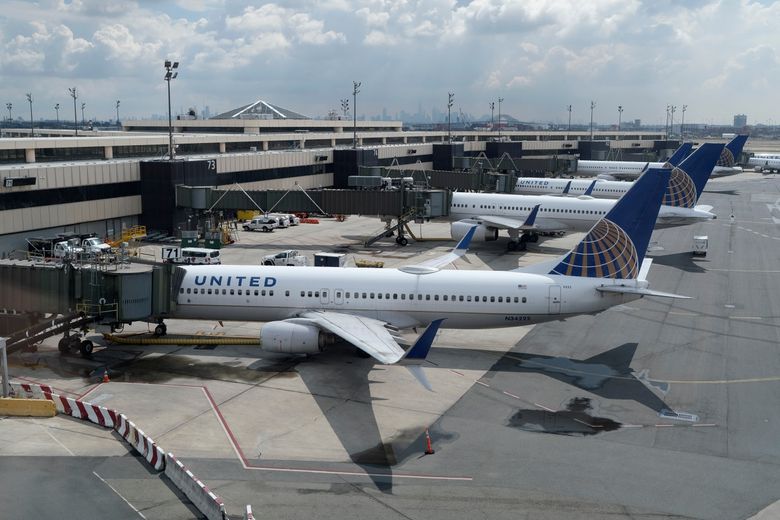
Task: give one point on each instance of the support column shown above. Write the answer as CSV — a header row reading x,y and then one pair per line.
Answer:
x,y
265,146
222,148
29,155
108,152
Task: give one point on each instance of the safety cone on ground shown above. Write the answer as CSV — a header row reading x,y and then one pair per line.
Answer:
x,y
428,448
105,377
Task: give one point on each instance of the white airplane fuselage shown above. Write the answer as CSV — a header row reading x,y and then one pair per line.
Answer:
x,y
465,299
764,163
633,169
559,213
543,186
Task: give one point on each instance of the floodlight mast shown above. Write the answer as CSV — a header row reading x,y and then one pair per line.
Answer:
x,y
355,92
170,73
57,109
74,95
450,102
32,124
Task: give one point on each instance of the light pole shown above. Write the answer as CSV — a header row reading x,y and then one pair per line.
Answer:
x,y
671,121
57,109
117,112
32,125
75,117
10,107
345,107
500,100
450,97
170,73
568,127
592,106
666,125
682,124
492,107
620,116
355,92
83,119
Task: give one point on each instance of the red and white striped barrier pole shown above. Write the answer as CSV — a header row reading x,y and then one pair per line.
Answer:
x,y
199,494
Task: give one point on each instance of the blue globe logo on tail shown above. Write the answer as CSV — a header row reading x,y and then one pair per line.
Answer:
x,y
681,192
606,252
726,158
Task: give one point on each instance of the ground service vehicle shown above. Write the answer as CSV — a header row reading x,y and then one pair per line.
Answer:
x,y
288,257
266,224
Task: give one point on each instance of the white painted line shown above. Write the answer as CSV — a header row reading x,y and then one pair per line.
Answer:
x,y
768,271
359,474
746,318
664,425
510,395
586,424
456,372
677,313
483,384
119,495
633,426
704,425
55,439
544,407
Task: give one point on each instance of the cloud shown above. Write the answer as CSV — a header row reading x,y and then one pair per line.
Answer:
x,y
276,19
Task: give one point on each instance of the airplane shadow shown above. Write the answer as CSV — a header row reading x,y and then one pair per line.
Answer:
x,y
607,375
722,192
340,385
683,261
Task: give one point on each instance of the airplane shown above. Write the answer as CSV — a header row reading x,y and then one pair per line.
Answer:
x,y
611,170
598,188
305,308
630,170
765,162
526,216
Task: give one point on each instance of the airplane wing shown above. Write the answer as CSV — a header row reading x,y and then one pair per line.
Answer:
x,y
511,223
367,334
703,207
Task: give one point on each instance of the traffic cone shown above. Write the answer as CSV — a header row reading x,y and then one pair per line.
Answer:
x,y
105,377
428,448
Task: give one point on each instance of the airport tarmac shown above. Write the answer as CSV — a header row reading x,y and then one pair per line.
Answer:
x,y
571,419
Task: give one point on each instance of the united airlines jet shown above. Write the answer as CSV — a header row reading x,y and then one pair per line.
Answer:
x,y
305,307
524,217
630,170
603,189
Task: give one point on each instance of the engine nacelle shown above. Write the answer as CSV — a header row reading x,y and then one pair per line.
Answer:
x,y
483,233
291,338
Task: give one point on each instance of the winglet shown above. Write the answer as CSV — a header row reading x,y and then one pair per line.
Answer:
x,y
531,218
589,191
419,351
422,346
566,189
465,242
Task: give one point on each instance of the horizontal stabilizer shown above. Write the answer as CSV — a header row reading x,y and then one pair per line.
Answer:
x,y
622,289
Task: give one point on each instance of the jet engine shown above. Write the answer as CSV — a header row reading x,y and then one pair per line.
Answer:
x,y
291,338
483,233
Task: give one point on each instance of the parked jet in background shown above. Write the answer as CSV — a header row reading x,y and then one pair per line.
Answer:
x,y
525,216
765,162
303,307
602,189
608,170
630,170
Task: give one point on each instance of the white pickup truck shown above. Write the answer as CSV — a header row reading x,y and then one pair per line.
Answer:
x,y
66,249
95,246
289,257
266,224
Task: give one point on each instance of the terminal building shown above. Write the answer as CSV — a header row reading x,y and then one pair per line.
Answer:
x,y
104,182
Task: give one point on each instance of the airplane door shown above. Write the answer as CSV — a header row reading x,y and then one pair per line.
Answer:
x,y
339,296
324,297
555,299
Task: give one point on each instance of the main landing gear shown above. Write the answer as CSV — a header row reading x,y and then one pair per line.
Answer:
x,y
161,329
519,244
72,341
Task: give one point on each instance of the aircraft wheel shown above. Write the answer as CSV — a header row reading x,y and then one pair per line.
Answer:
x,y
85,347
533,238
64,345
402,241
521,246
511,246
161,330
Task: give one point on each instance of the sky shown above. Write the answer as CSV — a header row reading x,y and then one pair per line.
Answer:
x,y
719,58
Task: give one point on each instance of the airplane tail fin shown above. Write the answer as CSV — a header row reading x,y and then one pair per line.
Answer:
x,y
732,150
615,247
689,178
680,154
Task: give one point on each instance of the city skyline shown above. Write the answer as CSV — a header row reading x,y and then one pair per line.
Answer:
x,y
539,57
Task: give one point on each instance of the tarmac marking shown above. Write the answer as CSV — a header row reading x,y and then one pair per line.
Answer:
x,y
481,383
119,495
544,407
769,271
55,439
510,394
746,318
677,313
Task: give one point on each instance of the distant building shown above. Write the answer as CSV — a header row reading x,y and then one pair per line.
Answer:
x,y
740,121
